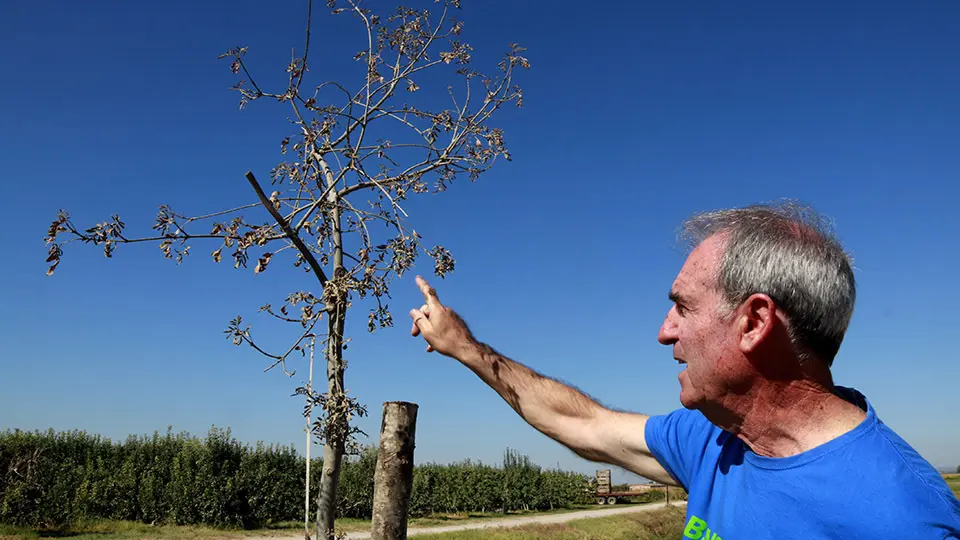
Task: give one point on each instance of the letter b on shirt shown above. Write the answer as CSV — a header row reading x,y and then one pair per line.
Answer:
x,y
695,528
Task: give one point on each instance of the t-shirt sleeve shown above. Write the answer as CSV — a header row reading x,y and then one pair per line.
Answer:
x,y
679,442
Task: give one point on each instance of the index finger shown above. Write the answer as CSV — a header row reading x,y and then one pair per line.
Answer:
x,y
429,293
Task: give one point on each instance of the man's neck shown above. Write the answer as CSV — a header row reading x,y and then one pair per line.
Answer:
x,y
781,419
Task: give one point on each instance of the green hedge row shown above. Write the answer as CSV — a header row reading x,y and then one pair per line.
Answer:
x,y
516,485
51,479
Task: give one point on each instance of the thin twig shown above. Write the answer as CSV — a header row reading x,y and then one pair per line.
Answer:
x,y
306,47
222,212
282,358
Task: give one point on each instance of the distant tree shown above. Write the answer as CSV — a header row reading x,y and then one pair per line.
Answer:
x,y
359,151
958,469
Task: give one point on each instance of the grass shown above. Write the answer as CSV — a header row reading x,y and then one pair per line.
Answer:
x,y
121,530
655,524
128,530
953,480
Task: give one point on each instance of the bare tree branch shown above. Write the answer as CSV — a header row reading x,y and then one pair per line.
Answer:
x,y
314,265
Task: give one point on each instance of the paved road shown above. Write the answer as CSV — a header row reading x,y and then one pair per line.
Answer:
x,y
517,521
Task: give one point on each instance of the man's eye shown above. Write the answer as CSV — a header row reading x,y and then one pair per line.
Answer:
x,y
680,309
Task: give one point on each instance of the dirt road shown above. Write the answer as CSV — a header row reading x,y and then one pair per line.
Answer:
x,y
517,521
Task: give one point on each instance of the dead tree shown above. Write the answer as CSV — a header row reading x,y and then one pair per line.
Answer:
x,y
359,150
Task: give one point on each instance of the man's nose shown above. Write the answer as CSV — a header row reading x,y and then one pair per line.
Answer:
x,y
668,330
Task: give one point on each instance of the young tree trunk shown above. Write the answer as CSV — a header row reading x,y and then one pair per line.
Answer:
x,y
333,448
393,479
327,499
337,426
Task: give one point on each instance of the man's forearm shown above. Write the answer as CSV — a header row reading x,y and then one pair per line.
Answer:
x,y
546,404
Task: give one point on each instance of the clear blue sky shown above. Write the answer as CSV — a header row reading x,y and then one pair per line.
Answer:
x,y
636,115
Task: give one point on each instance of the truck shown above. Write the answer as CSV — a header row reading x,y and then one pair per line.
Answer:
x,y
605,494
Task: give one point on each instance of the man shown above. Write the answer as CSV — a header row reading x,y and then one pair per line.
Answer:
x,y
766,445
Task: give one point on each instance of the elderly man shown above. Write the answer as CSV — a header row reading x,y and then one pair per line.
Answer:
x,y
766,445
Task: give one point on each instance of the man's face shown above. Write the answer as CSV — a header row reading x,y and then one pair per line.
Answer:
x,y
696,327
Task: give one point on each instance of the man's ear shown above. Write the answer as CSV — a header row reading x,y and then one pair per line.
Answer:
x,y
755,322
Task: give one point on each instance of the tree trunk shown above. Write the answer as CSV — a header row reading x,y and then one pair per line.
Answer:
x,y
327,499
393,479
337,425
337,428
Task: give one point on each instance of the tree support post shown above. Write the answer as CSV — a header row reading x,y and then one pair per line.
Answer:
x,y
393,478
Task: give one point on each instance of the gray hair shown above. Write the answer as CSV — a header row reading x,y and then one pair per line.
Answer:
x,y
788,252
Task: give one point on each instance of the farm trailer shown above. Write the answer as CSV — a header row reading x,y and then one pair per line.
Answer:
x,y
605,494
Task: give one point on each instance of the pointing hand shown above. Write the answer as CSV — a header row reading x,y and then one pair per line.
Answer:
x,y
442,329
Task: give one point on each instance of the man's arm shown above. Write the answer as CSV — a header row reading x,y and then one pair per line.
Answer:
x,y
561,412
568,416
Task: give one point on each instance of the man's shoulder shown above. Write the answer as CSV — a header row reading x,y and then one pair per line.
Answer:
x,y
685,416
904,471
684,424
891,480
883,449
681,441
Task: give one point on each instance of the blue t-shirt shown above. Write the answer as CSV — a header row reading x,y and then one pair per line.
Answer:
x,y
866,484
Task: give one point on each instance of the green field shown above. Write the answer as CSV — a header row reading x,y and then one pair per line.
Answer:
x,y
953,480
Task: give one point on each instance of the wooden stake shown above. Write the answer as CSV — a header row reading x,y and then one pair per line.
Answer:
x,y
393,478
